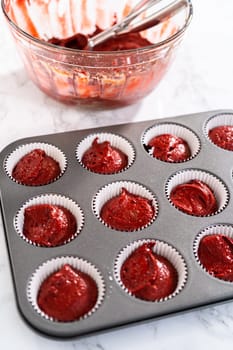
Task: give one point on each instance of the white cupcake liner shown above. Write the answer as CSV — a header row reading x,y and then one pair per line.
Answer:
x,y
116,141
52,199
174,129
216,185
51,266
224,229
114,189
160,248
218,120
51,150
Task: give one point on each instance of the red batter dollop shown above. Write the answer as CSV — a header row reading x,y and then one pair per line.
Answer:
x,y
127,211
215,253
222,136
194,198
36,168
169,148
102,158
127,41
147,275
48,225
67,295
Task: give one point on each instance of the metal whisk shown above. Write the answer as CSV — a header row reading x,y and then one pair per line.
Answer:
x,y
127,24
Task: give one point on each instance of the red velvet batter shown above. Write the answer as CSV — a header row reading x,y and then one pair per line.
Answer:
x,y
127,41
215,253
194,198
102,158
36,168
48,225
169,148
222,136
148,276
67,295
127,211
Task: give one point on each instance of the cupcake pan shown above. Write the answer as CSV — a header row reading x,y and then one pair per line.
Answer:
x,y
100,245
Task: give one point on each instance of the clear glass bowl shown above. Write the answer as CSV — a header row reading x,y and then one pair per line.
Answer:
x,y
77,76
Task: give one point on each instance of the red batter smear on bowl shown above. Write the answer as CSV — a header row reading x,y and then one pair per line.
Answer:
x,y
36,168
169,148
222,136
194,198
67,294
147,275
48,225
215,253
103,158
127,211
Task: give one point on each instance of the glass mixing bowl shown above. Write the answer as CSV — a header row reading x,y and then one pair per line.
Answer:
x,y
85,77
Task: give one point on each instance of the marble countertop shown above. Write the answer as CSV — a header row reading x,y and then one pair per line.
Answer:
x,y
199,80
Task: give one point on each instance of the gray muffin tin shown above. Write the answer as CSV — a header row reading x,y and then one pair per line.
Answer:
x,y
100,245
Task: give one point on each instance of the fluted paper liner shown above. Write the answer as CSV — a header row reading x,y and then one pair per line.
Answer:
x,y
218,120
51,266
216,185
114,189
51,150
52,199
174,129
116,141
160,248
224,229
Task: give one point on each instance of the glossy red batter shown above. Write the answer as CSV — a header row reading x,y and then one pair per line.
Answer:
x,y
194,198
102,158
67,295
169,148
148,276
215,253
127,41
36,168
222,136
127,211
48,225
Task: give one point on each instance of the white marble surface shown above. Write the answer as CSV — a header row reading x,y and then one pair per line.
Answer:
x,y
200,79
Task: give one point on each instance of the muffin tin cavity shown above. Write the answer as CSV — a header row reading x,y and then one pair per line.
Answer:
x,y
53,200
160,248
220,120
225,230
117,142
100,250
188,136
219,189
53,265
114,189
17,154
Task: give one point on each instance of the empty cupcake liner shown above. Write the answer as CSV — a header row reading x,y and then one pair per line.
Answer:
x,y
52,199
220,190
51,266
174,129
160,248
54,152
224,229
113,189
218,120
116,141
